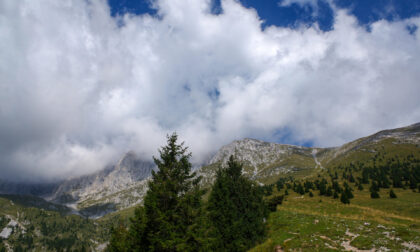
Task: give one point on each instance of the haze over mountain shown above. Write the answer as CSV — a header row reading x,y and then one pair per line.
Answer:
x,y
124,184
80,87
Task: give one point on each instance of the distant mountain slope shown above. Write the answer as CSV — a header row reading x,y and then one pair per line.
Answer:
x,y
405,139
262,160
122,185
266,162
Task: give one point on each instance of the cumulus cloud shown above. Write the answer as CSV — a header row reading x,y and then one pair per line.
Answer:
x,y
78,88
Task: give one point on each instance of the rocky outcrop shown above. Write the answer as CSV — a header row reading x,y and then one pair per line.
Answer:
x,y
115,184
262,160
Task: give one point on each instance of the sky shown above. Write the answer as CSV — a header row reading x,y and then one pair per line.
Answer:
x,y
83,82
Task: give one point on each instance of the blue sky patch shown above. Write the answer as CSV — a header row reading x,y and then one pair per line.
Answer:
x,y
295,15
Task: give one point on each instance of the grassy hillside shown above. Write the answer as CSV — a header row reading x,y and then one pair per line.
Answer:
x,y
322,223
33,228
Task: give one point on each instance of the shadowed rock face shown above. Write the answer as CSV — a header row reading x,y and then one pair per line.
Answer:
x,y
121,185
127,173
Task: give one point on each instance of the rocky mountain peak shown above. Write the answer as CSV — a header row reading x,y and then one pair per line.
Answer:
x,y
255,151
127,161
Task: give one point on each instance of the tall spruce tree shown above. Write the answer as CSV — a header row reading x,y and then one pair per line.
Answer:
x,y
236,210
173,201
172,206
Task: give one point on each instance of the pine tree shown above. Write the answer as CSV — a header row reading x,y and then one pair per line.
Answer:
x,y
173,201
236,210
118,241
136,237
323,187
172,205
392,195
279,185
348,191
273,202
299,189
344,199
374,195
374,189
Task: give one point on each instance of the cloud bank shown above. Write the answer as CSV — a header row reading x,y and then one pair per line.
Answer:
x,y
79,88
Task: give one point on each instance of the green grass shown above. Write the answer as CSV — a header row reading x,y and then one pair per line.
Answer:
x,y
325,224
366,152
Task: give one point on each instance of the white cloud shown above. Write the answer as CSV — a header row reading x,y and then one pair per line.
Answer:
x,y
77,90
285,3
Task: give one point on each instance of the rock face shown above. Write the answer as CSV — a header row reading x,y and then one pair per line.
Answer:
x,y
261,160
122,185
256,152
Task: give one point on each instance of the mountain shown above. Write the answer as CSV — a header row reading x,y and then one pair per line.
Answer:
x,y
262,160
113,188
266,162
124,184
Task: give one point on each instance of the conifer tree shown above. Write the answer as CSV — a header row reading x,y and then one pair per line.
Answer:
x,y
348,191
392,195
344,199
118,241
374,194
173,201
172,206
279,185
273,202
374,189
236,210
299,189
329,192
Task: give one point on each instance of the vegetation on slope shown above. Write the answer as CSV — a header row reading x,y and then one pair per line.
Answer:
x,y
312,218
35,229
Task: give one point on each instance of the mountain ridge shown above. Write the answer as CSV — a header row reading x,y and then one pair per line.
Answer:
x,y
124,184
